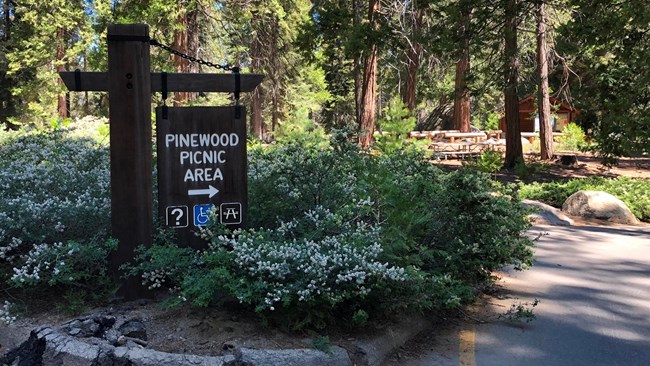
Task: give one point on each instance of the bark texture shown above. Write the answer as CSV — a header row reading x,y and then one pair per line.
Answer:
x,y
369,86
543,103
514,150
186,40
461,98
256,49
63,107
413,62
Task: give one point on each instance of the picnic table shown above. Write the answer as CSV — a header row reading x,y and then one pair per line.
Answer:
x,y
429,134
532,135
476,136
458,149
494,133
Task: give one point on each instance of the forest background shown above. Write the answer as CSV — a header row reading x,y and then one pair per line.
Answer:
x,y
349,64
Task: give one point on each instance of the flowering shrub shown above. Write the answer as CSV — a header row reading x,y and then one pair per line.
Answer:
x,y
284,180
334,232
70,264
5,313
304,268
55,205
163,264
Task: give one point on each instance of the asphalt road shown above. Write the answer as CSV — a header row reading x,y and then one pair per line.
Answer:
x,y
593,287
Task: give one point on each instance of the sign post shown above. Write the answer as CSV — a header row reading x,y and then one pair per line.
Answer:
x,y
130,82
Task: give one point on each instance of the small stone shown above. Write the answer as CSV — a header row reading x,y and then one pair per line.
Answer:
x,y
568,160
90,327
74,332
133,329
228,329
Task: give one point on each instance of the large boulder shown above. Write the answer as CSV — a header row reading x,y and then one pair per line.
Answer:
x,y
599,205
544,214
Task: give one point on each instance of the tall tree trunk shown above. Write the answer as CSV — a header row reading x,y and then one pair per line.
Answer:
x,y
257,125
514,150
369,91
7,106
543,104
276,104
413,59
186,40
461,97
358,82
62,100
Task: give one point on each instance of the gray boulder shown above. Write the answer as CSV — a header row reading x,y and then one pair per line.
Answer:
x,y
599,205
546,215
134,328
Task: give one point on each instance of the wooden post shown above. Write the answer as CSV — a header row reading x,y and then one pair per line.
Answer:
x,y
129,87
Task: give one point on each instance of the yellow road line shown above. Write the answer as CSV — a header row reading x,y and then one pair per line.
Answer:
x,y
467,339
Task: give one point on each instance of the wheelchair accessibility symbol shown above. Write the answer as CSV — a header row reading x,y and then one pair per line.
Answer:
x,y
202,214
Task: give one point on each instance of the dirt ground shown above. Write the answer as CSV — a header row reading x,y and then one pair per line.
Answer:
x,y
587,165
199,331
215,330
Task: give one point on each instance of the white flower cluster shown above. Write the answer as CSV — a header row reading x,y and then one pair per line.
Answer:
x,y
329,268
5,313
59,227
34,263
154,279
54,187
5,251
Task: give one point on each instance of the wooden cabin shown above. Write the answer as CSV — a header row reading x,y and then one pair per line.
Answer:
x,y
561,115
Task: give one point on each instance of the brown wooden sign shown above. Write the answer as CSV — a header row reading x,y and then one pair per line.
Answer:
x,y
201,169
129,83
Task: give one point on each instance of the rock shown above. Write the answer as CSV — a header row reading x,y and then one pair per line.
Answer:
x,y
63,350
147,357
599,205
90,327
547,215
94,326
47,347
133,329
294,357
373,351
568,160
28,354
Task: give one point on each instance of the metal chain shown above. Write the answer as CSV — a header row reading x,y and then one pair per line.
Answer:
x,y
155,43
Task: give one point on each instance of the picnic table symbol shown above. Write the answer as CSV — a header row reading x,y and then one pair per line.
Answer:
x,y
230,213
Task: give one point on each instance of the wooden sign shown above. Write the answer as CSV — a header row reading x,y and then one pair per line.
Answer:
x,y
202,168
129,83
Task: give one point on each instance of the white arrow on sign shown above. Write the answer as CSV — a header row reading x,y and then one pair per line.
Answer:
x,y
211,191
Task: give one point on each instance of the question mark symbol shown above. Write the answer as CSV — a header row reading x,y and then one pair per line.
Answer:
x,y
179,214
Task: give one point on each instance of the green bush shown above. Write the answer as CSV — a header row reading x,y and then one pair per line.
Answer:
x,y
490,161
572,139
304,268
395,124
635,193
334,232
55,208
478,227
